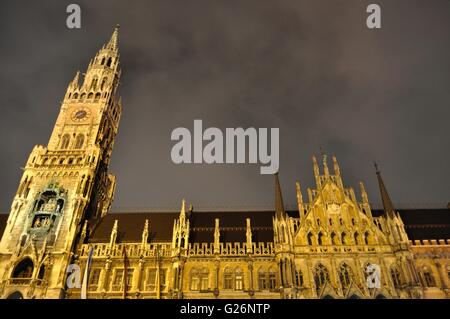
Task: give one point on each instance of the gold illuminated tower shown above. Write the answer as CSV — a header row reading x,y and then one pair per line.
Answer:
x,y
65,188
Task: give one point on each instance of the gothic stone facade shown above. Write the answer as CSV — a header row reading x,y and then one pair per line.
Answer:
x,y
325,249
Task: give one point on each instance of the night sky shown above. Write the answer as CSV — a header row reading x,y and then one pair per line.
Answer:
x,y
311,68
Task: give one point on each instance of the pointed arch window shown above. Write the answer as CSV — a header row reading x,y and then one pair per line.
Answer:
x,y
24,269
299,280
309,238
396,277
102,87
321,276
368,239
320,238
65,141
94,84
79,141
335,238
345,274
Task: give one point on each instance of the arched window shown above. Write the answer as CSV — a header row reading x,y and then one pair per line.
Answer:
x,y
195,280
368,239
428,278
75,96
90,95
239,279
396,277
102,87
345,239
321,276
83,96
227,279
109,62
272,279
204,279
79,141
65,141
320,238
97,96
309,237
299,280
262,280
103,61
345,274
334,239
24,269
94,84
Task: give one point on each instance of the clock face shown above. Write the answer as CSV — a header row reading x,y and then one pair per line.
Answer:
x,y
80,115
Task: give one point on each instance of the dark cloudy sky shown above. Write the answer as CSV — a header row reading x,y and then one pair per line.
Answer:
x,y
311,68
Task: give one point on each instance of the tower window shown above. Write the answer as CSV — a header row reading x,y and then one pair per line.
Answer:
x,y
79,141
24,269
109,62
65,141
103,84
94,84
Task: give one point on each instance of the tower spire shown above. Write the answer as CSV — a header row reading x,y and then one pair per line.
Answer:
x,y
114,41
387,203
279,206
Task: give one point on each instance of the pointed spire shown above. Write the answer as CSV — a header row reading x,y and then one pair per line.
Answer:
x,y
279,206
387,203
114,41
300,201
326,171
183,211
310,196
145,234
114,233
75,81
216,237
364,197
248,235
316,171
337,170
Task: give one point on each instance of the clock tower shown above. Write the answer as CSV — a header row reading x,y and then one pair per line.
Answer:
x,y
65,188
